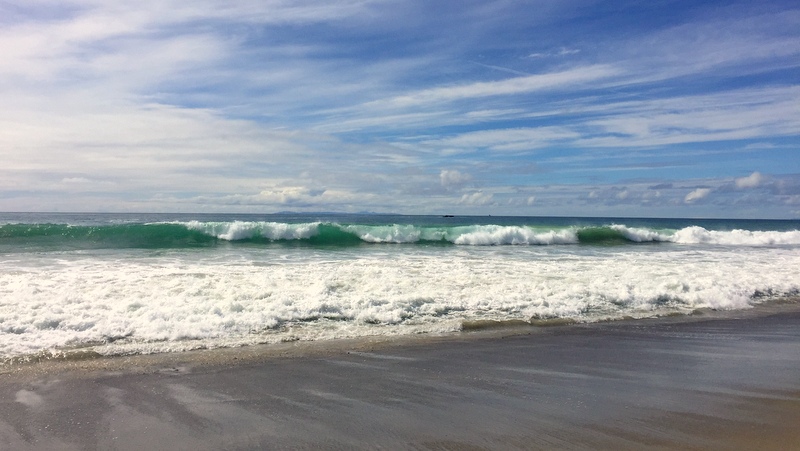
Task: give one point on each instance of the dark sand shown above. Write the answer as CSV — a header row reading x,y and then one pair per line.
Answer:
x,y
723,383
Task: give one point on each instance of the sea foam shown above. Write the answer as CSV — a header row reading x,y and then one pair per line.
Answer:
x,y
497,235
699,235
116,303
485,235
241,230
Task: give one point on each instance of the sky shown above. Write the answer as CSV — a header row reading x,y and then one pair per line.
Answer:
x,y
654,108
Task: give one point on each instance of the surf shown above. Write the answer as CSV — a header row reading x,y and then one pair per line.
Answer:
x,y
127,284
196,234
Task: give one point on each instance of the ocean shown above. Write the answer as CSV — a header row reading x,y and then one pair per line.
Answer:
x,y
121,284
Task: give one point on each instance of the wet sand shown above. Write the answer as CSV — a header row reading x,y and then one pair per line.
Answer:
x,y
723,383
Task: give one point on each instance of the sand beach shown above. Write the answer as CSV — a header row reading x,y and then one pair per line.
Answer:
x,y
720,381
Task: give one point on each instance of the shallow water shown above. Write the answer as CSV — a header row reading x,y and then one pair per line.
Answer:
x,y
122,284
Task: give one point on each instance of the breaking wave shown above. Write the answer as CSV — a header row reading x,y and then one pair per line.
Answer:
x,y
199,234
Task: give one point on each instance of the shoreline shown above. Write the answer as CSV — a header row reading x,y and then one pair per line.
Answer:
x,y
728,381
79,361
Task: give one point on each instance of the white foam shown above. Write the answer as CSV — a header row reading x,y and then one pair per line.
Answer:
x,y
499,235
242,230
143,302
390,233
699,235
640,235
488,235
477,235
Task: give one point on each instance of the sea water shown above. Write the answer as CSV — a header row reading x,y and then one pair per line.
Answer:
x,y
117,284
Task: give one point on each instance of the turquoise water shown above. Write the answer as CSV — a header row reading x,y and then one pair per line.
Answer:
x,y
22,232
140,283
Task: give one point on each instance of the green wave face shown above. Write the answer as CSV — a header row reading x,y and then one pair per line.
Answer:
x,y
27,237
602,236
332,235
124,236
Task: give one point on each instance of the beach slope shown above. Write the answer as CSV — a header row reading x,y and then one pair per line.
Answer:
x,y
724,383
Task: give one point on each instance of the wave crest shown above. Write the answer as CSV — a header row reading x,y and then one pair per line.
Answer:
x,y
498,235
241,230
737,237
198,233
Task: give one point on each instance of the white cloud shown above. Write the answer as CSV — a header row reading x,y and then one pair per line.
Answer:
x,y
515,139
81,185
76,180
385,122
164,103
732,115
563,51
139,152
289,195
451,178
699,193
750,43
760,146
751,181
604,121
296,197
517,85
477,198
494,114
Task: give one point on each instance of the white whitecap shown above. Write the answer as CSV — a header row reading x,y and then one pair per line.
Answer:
x,y
491,235
243,230
699,235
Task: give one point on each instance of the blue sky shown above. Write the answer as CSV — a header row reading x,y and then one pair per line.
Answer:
x,y
588,108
